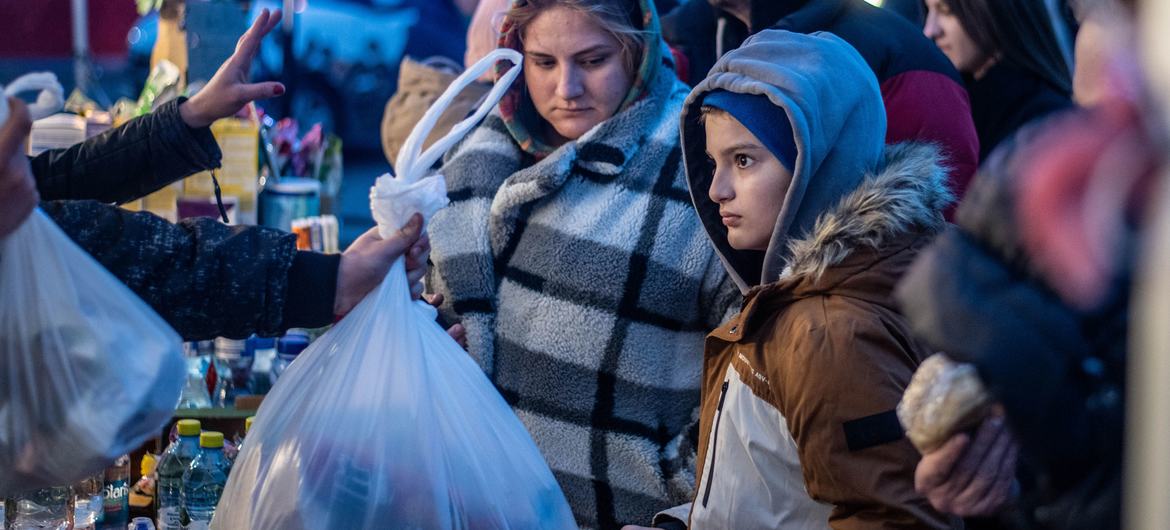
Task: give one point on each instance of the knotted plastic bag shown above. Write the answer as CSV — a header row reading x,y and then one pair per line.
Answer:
x,y
89,371
385,422
50,95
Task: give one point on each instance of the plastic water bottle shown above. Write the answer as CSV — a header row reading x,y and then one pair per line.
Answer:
x,y
240,439
229,366
287,349
195,394
41,509
87,502
141,523
115,513
204,481
264,349
174,462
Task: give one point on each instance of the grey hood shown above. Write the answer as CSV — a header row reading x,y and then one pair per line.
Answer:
x,y
833,102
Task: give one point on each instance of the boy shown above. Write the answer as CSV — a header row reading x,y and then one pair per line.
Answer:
x,y
815,220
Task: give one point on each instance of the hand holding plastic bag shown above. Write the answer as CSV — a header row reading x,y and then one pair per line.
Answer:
x,y
385,422
89,371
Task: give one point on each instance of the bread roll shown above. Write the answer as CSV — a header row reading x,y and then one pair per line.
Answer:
x,y
944,398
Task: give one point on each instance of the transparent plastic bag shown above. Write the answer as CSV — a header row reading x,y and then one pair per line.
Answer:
x,y
386,422
89,370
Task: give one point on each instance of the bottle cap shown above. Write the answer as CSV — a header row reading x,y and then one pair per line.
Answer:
x,y
189,427
292,344
211,440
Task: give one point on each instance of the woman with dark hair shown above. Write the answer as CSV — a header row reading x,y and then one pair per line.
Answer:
x,y
575,261
1008,53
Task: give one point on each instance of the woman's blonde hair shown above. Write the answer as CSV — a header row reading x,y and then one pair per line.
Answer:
x,y
620,18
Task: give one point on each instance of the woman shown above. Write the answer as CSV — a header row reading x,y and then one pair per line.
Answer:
x,y
1008,53
573,258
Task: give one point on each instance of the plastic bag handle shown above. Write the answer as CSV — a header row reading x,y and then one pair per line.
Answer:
x,y
412,164
49,101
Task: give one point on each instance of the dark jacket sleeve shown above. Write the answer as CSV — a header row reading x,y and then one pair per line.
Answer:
x,y
1029,347
206,279
127,162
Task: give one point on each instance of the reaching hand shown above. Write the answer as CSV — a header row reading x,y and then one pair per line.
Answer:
x,y
229,89
18,188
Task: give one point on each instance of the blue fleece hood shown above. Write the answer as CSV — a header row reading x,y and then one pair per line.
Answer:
x,y
835,109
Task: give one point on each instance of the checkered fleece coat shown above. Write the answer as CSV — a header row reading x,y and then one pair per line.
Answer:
x,y
587,285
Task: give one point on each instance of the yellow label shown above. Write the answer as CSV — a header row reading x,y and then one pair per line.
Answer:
x,y
239,141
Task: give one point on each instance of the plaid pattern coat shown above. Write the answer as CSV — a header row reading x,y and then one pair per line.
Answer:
x,y
587,284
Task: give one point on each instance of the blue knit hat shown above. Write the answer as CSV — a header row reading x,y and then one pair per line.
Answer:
x,y
767,121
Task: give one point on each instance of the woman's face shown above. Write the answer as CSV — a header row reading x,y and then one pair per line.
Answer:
x,y
943,27
574,71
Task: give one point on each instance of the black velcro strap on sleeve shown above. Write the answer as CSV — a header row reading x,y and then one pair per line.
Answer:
x,y
872,431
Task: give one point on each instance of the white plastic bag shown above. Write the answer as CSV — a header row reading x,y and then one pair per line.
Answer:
x,y
50,98
89,371
385,422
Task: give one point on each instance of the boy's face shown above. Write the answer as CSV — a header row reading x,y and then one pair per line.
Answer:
x,y
749,183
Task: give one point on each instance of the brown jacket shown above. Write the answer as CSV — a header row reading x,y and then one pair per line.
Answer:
x,y
797,423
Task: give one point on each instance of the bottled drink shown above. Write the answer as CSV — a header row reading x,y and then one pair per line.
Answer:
x,y
41,509
87,502
230,366
195,394
141,523
287,349
115,511
264,355
174,462
204,481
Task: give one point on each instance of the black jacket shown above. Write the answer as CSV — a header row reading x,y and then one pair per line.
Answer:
x,y
204,278
1007,98
1059,372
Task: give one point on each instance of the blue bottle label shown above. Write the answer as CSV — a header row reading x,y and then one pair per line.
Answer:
x,y
116,507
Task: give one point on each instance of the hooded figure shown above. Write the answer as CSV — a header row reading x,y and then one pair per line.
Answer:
x,y
924,97
585,280
797,422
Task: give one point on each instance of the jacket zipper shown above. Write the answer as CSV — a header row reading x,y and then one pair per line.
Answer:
x,y
715,442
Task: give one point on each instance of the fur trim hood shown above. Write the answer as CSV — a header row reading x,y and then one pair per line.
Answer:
x,y
838,121
908,195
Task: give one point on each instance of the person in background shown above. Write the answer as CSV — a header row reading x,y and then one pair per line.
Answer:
x,y
574,260
1041,258
204,278
923,94
1008,55
420,83
815,219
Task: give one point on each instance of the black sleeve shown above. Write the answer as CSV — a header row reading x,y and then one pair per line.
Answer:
x,y
206,279
127,162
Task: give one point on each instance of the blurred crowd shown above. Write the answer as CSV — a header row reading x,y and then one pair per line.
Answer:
x,y
703,247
